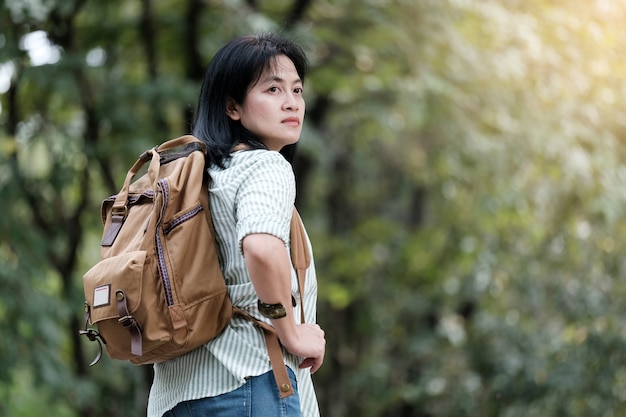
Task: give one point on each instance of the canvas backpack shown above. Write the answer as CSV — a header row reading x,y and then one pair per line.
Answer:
x,y
158,290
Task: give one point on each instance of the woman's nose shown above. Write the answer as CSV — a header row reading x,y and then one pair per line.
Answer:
x,y
292,102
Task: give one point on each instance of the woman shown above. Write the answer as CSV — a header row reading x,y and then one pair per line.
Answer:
x,y
250,109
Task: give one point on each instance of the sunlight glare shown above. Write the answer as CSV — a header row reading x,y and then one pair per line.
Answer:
x,y
39,48
96,57
7,70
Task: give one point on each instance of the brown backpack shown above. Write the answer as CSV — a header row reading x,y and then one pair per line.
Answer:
x,y
158,290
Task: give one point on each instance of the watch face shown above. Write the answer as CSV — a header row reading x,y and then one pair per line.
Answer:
x,y
272,311
277,312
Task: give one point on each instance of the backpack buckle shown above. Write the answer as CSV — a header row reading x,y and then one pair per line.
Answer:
x,y
128,321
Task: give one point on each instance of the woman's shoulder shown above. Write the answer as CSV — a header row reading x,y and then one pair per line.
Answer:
x,y
258,159
242,163
259,156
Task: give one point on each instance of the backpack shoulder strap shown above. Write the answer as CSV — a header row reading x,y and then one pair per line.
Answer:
x,y
300,255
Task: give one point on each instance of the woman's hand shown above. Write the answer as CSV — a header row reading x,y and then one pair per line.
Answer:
x,y
307,341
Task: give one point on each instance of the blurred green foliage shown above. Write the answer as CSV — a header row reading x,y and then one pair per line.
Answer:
x,y
460,175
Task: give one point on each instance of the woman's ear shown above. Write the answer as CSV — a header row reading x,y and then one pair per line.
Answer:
x,y
232,109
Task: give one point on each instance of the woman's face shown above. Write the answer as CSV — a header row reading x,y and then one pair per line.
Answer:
x,y
273,109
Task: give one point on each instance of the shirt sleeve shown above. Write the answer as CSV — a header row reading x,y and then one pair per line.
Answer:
x,y
264,201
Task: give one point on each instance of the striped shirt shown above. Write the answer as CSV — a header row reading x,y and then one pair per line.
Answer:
x,y
254,193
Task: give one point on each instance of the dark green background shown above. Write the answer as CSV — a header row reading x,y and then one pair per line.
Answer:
x,y
461,174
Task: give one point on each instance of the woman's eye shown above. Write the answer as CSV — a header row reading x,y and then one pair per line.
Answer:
x,y
298,90
273,89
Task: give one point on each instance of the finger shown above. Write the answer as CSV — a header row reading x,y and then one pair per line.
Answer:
x,y
317,365
307,363
313,363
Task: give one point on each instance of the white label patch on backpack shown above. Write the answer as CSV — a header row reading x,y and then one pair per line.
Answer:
x,y
101,295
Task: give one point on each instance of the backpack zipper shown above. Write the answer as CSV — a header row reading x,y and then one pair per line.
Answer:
x,y
161,263
183,218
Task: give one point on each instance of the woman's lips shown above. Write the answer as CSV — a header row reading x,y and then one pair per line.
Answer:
x,y
292,121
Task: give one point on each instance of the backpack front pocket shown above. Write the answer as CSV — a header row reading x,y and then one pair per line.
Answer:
x,y
119,273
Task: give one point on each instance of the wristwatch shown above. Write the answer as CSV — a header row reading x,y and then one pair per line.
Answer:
x,y
272,311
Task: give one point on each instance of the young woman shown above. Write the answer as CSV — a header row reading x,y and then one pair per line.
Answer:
x,y
250,109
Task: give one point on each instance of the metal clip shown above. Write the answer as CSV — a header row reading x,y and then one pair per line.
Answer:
x,y
94,336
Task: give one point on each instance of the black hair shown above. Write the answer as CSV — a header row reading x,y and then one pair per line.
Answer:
x,y
233,69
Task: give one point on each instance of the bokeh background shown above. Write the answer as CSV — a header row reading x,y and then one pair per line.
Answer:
x,y
461,174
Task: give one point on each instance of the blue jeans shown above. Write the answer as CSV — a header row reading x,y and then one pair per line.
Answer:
x,y
258,397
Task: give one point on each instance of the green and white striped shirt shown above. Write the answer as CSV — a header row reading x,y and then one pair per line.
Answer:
x,y
254,193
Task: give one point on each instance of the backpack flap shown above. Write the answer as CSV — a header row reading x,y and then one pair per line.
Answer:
x,y
113,291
